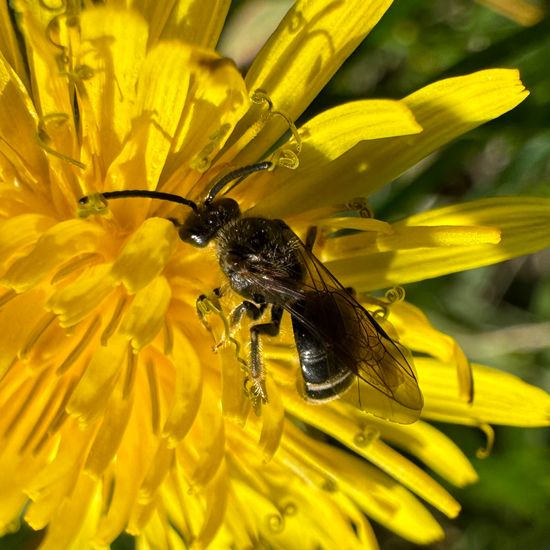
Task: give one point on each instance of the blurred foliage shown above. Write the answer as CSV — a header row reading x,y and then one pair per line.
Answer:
x,y
500,314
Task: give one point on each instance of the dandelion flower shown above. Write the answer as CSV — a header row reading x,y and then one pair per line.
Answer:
x,y
117,415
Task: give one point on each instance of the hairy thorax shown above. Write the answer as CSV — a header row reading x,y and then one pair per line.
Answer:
x,y
260,258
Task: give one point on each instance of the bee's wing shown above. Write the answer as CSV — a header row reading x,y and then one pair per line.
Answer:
x,y
386,382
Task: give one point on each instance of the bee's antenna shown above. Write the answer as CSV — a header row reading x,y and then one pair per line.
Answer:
x,y
144,193
216,188
235,175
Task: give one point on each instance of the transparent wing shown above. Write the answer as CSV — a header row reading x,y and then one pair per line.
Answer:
x,y
386,382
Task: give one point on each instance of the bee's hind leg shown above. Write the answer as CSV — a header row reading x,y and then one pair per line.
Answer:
x,y
256,378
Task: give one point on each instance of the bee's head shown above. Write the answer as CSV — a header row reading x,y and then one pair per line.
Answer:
x,y
202,225
206,220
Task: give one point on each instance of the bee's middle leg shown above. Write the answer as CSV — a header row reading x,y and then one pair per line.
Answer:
x,y
252,310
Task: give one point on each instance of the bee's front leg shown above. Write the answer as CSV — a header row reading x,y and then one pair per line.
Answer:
x,y
207,304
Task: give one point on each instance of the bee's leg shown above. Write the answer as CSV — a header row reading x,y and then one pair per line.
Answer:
x,y
311,235
253,311
207,304
257,376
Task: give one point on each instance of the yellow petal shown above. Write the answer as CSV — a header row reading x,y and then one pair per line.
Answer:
x,y
209,448
286,510
197,23
427,444
353,222
188,100
113,45
238,527
235,404
364,530
15,327
333,420
273,417
158,470
146,314
75,520
77,299
93,390
444,110
108,436
27,407
56,479
521,221
156,531
499,397
417,334
337,130
56,129
18,232
50,91
145,254
155,114
114,521
142,515
377,495
216,502
204,448
60,243
310,44
132,460
22,468
9,46
12,502
218,98
450,108
404,237
155,394
187,391
521,11
18,127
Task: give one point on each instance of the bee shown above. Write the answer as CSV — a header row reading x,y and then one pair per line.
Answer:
x,y
339,343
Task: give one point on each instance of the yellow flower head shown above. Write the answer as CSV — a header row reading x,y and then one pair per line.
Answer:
x,y
128,399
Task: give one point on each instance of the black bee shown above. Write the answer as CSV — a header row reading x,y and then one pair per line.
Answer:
x,y
343,350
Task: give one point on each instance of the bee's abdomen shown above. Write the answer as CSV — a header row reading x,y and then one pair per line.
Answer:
x,y
325,375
